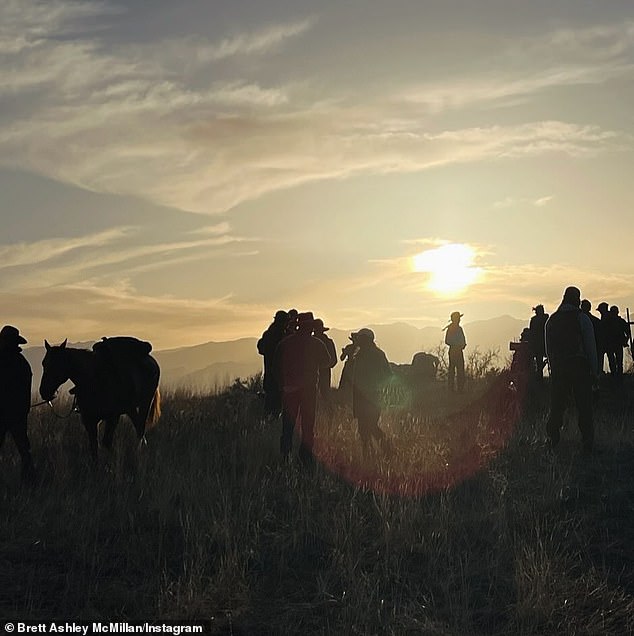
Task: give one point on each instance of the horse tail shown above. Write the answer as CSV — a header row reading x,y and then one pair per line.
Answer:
x,y
155,410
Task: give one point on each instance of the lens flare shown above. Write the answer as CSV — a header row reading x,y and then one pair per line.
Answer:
x,y
428,451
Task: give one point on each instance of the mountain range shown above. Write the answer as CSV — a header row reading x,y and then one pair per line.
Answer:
x,y
212,365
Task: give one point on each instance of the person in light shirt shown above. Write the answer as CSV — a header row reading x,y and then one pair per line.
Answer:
x,y
456,341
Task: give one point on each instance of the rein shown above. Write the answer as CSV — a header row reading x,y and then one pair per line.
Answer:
x,y
73,408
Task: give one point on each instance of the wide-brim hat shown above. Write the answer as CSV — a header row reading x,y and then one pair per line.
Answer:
x,y
11,335
364,334
318,325
305,319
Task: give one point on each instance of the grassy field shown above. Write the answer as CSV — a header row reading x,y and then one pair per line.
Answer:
x,y
471,525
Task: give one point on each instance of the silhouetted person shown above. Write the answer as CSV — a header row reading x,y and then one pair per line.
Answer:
x,y
347,357
456,341
522,363
617,337
586,307
291,325
572,357
266,348
325,374
537,340
602,353
15,396
371,370
298,358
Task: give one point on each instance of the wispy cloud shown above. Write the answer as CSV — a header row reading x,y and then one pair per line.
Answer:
x,y
543,201
503,87
23,254
515,202
107,255
124,121
166,321
595,43
256,42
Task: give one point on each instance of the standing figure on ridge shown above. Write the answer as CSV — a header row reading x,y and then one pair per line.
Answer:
x,y
298,359
266,347
537,340
572,357
456,341
370,372
618,336
15,396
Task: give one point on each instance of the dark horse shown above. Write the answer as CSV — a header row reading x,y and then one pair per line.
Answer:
x,y
104,388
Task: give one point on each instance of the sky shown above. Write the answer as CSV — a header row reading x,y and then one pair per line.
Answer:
x,y
179,171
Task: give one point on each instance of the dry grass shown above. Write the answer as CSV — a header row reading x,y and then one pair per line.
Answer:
x,y
470,526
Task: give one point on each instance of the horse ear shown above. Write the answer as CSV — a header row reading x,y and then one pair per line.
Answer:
x,y
48,346
63,345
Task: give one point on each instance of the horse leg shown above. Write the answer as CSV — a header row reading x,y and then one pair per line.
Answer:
x,y
138,420
110,425
90,424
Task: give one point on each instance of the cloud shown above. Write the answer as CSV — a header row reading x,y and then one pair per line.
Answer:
x,y
504,87
542,201
529,283
254,43
105,255
167,322
515,286
599,42
126,121
514,202
22,254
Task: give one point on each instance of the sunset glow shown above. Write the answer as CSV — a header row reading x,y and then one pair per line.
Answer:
x,y
183,174
450,267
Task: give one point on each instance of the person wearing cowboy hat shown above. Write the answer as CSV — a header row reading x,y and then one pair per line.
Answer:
x,y
15,396
266,345
456,341
537,340
298,359
325,374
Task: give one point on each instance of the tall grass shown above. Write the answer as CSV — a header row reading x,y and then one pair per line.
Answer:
x,y
470,526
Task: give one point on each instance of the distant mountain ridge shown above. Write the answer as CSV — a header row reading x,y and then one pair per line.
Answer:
x,y
212,364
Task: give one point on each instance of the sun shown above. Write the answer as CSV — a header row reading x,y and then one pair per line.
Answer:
x,y
450,267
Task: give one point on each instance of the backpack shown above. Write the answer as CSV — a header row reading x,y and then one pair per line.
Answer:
x,y
122,347
563,336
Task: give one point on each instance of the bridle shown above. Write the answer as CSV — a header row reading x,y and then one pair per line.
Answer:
x,y
73,407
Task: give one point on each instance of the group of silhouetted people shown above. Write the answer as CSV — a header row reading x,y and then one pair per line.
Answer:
x,y
611,335
298,358
574,343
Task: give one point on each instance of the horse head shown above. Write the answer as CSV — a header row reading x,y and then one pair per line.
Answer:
x,y
56,372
